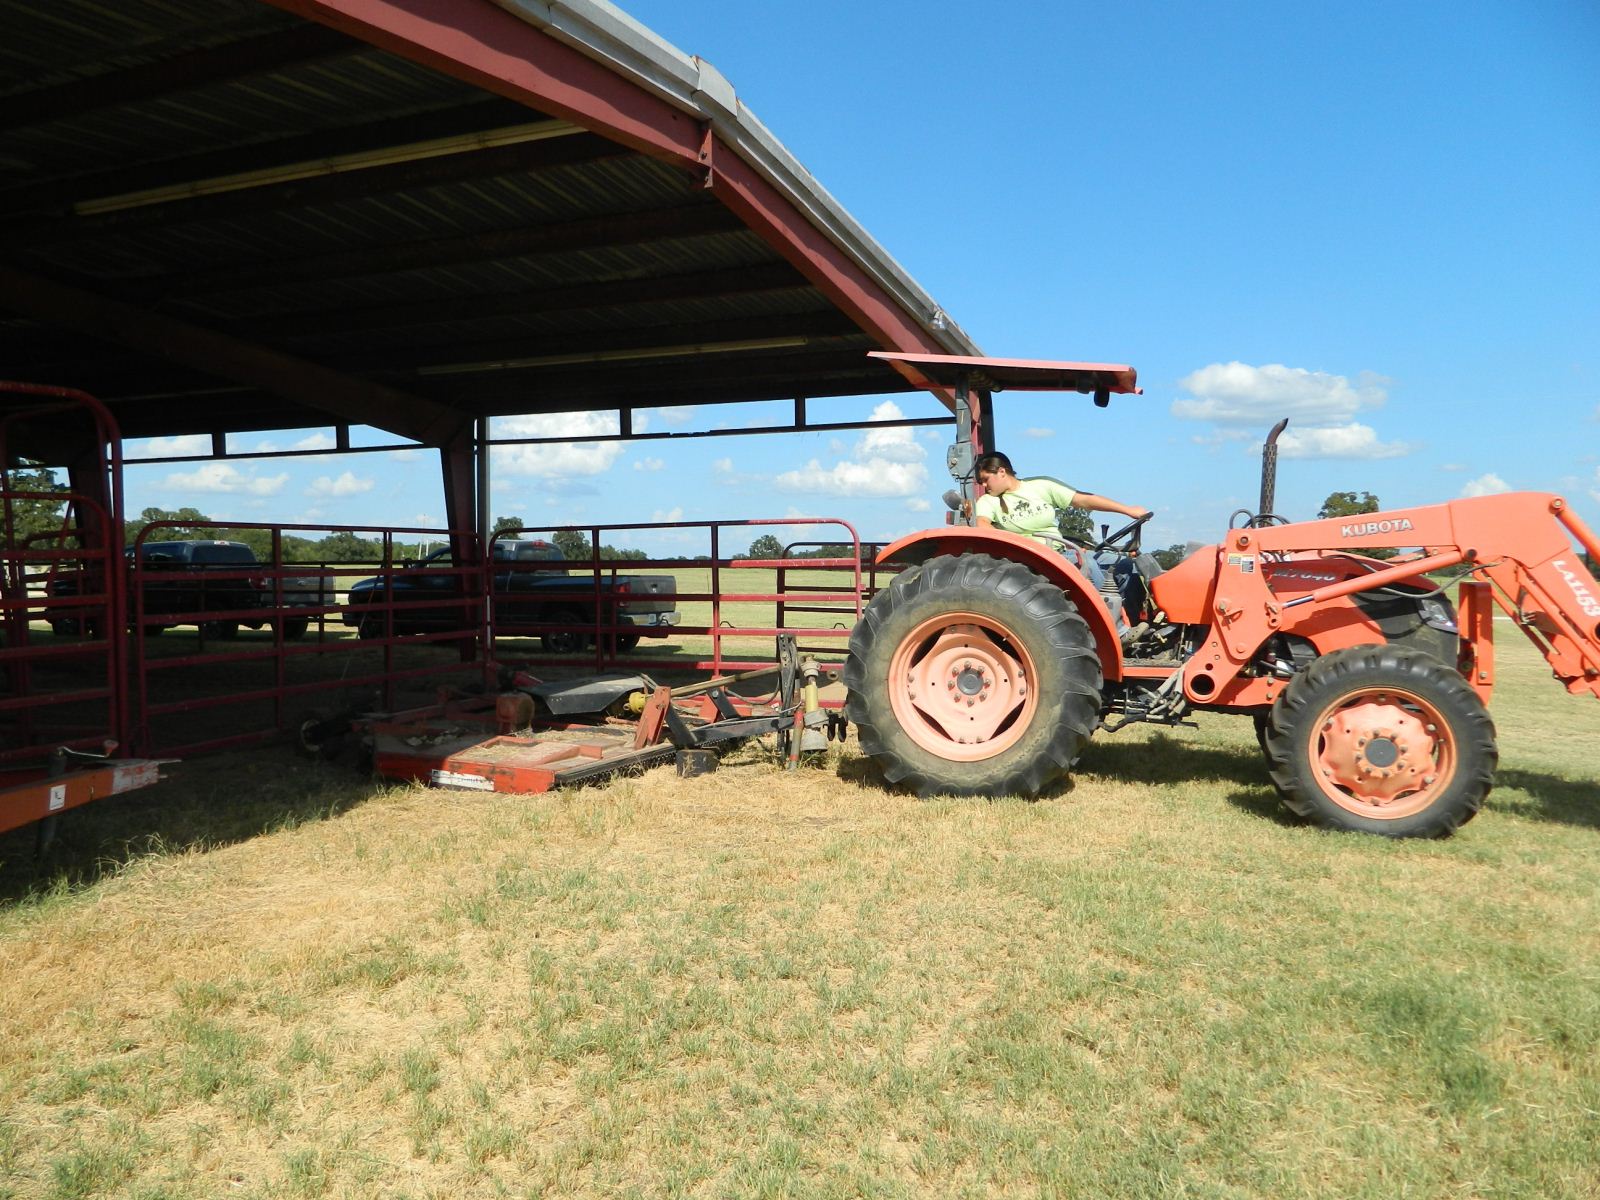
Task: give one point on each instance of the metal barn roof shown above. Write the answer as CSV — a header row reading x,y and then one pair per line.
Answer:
x,y
227,215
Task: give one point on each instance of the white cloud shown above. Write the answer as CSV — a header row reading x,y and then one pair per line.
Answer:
x,y
1488,484
196,445
1240,401
1594,491
225,478
723,466
678,415
876,477
404,455
1453,467
918,504
898,445
1338,441
885,462
1238,393
1036,433
674,513
427,521
347,484
648,464
266,447
558,460
315,441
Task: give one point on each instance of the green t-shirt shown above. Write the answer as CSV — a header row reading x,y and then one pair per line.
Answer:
x,y
1030,508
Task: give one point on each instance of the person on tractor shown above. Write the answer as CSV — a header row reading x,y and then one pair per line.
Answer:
x,y
1032,507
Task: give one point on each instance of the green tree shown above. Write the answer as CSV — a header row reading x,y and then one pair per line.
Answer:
x,y
1353,504
187,525
1172,555
35,516
574,546
1076,524
501,524
766,546
346,547
1347,504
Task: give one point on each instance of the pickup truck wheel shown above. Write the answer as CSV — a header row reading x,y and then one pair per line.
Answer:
x,y
973,676
222,631
154,630
1382,739
627,642
65,627
295,628
564,641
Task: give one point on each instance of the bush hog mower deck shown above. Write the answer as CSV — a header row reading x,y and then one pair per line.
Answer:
x,y
986,665
534,736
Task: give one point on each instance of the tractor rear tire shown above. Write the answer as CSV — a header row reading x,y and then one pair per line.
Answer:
x,y
1382,739
973,676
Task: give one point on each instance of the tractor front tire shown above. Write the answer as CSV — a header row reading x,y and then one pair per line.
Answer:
x,y
1382,739
972,676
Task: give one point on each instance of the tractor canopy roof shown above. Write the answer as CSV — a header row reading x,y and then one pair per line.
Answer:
x,y
1017,374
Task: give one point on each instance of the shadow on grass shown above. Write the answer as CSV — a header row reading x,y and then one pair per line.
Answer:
x,y
1160,761
204,803
1547,798
1164,759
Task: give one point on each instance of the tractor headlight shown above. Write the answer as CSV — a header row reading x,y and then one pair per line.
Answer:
x,y
1437,614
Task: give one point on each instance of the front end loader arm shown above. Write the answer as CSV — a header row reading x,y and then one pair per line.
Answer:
x,y
1518,542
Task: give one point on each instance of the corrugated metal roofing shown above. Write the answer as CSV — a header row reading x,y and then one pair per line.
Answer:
x,y
229,168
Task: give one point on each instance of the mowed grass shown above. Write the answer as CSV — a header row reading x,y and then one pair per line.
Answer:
x,y
761,983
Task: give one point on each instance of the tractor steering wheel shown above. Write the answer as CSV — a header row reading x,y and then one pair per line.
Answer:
x,y
1129,533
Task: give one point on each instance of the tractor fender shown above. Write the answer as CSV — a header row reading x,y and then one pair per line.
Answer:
x,y
961,539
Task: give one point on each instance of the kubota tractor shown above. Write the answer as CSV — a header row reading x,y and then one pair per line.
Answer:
x,y
987,664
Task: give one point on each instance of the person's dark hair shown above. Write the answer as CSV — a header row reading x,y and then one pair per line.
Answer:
x,y
990,463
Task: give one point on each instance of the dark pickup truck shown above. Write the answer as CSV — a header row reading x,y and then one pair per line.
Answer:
x,y
534,587
185,580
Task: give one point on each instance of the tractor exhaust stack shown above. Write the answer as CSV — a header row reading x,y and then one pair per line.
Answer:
x,y
1269,472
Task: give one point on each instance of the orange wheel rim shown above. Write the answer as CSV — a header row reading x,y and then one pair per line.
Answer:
x,y
962,686
1383,754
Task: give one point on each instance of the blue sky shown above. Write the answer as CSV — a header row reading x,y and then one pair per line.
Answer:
x,y
1379,220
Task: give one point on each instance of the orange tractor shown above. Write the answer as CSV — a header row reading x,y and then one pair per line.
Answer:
x,y
987,664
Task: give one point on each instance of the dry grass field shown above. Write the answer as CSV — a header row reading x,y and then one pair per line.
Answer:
x,y
270,978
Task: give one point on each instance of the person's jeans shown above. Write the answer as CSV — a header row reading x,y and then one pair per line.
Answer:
x,y
1085,562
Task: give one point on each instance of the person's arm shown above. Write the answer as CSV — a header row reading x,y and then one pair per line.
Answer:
x,y
1094,503
981,511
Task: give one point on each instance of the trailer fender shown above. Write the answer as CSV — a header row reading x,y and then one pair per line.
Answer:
x,y
956,540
